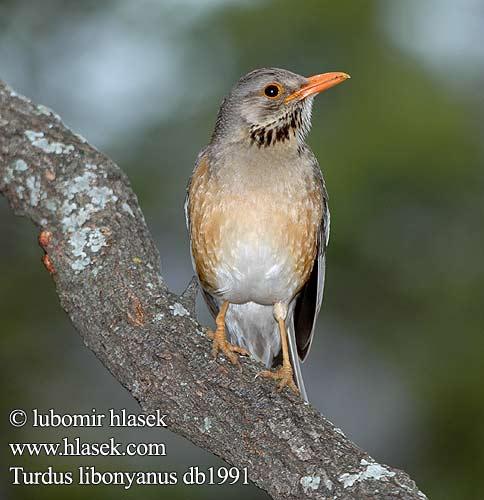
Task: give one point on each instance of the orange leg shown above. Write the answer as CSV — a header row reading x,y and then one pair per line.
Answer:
x,y
220,342
284,373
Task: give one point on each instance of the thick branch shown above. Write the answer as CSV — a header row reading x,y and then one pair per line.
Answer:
x,y
106,271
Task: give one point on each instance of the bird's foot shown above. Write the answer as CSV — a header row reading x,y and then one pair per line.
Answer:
x,y
285,376
220,343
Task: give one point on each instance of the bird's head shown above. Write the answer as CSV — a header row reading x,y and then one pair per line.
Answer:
x,y
270,106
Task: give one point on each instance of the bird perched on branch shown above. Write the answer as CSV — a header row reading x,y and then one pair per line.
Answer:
x,y
258,219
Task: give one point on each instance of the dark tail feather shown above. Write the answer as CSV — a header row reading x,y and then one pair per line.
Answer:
x,y
296,365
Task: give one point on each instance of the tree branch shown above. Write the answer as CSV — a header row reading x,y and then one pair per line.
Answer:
x,y
106,271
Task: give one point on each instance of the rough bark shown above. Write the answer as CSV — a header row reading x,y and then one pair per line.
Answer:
x,y
105,267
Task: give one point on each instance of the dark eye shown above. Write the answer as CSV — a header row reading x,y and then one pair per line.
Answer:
x,y
272,90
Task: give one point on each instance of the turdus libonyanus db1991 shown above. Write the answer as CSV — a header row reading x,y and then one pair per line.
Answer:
x,y
258,219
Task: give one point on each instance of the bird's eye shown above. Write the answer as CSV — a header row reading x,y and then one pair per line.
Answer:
x,y
272,90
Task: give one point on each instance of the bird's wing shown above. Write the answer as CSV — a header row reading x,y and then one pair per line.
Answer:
x,y
211,301
308,302
198,161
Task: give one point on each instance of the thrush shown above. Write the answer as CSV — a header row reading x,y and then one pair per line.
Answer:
x,y
258,220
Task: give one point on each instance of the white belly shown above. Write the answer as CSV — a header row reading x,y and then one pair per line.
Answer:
x,y
255,269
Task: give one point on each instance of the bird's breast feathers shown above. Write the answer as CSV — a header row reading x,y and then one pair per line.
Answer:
x,y
254,230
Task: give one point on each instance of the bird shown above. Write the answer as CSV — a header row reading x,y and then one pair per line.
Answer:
x,y
257,215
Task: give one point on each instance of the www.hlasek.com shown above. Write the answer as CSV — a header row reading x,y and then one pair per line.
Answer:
x,y
88,474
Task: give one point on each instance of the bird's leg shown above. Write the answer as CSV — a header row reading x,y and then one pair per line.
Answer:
x,y
284,373
220,342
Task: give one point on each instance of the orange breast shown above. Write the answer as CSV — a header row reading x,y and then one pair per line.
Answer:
x,y
269,226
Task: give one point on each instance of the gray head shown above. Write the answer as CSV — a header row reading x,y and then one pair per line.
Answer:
x,y
270,106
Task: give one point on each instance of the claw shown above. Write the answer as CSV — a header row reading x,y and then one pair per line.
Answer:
x,y
220,343
285,375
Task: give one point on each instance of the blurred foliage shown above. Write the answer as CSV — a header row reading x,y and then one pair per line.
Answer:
x,y
401,150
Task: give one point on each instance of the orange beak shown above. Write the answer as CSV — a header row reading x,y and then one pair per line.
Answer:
x,y
318,83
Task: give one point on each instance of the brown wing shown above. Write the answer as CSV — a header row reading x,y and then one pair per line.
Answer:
x,y
201,166
308,302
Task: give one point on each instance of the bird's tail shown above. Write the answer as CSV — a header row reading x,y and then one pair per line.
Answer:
x,y
295,362
252,326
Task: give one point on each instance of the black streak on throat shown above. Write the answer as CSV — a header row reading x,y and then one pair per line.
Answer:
x,y
276,131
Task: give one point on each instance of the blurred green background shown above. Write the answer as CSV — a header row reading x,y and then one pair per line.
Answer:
x,y
398,359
